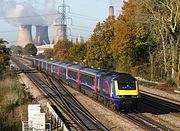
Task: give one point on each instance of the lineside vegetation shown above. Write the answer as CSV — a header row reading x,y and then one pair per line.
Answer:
x,y
143,40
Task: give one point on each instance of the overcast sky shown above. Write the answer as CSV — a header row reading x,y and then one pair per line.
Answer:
x,y
84,13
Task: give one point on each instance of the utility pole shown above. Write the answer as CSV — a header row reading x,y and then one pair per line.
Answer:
x,y
60,24
62,11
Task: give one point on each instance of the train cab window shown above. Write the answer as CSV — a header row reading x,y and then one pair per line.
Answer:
x,y
126,85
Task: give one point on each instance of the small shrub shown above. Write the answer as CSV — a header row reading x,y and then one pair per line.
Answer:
x,y
171,83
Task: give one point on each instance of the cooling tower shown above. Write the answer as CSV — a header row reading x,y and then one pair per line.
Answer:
x,y
24,36
111,11
41,37
59,32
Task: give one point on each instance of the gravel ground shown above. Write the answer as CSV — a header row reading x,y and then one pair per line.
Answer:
x,y
34,91
169,120
110,119
161,93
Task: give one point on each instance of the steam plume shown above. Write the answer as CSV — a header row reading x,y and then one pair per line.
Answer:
x,y
24,13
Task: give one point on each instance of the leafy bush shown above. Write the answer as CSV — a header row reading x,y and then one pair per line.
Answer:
x,y
171,83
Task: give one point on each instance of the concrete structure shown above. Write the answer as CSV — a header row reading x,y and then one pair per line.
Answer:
x,y
36,119
111,11
41,37
79,39
32,109
59,32
25,35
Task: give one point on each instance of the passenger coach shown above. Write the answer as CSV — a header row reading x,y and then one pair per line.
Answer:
x,y
113,88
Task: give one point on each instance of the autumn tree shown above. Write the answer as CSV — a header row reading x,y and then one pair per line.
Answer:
x,y
78,53
61,50
133,43
49,53
99,53
124,33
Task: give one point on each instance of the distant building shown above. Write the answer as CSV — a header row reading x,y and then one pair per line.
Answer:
x,y
79,39
42,48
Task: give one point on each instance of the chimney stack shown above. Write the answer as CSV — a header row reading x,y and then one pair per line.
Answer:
x,y
79,39
24,36
111,11
41,37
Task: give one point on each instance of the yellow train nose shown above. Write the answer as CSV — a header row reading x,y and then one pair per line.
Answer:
x,y
126,92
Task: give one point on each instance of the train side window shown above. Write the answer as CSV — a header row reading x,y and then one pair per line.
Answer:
x,y
72,74
89,80
63,71
105,87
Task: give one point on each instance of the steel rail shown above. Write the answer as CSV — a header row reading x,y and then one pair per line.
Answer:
x,y
85,126
73,103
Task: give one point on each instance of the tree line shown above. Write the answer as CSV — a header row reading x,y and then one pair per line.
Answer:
x,y
29,50
142,40
4,58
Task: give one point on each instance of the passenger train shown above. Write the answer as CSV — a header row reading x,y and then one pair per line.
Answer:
x,y
119,90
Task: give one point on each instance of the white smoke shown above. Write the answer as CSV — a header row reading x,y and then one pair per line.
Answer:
x,y
24,13
50,11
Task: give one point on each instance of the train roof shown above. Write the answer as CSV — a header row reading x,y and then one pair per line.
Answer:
x,y
57,63
125,77
75,67
107,74
39,59
50,61
44,60
90,71
64,64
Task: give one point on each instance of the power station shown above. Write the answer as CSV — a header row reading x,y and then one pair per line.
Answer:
x,y
59,30
41,36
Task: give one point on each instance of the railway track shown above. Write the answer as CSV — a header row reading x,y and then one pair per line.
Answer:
x,y
74,110
78,111
139,118
146,122
160,105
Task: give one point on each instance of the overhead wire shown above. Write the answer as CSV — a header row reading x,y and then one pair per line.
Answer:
x,y
85,16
